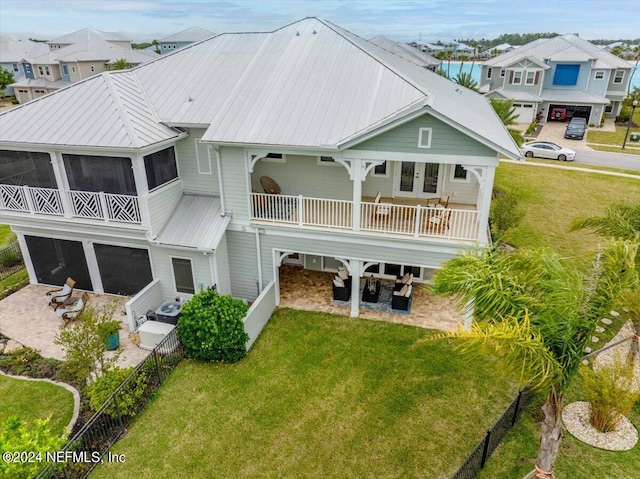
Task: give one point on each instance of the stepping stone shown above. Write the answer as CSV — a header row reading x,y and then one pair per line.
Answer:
x,y
595,339
587,350
600,329
585,362
606,321
615,314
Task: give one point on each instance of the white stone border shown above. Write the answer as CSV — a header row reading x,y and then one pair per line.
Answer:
x,y
71,389
575,417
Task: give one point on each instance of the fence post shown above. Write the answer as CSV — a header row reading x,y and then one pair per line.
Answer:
x,y
115,403
485,448
416,226
515,411
300,210
155,360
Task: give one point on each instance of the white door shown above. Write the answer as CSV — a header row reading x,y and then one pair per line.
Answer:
x,y
417,180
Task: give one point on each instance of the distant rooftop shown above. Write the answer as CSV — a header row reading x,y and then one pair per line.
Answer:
x,y
193,34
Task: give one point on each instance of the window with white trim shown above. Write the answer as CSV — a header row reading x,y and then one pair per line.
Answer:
x,y
608,108
619,76
46,70
531,77
92,68
40,70
275,158
502,73
489,71
15,68
328,160
73,69
517,77
598,75
183,275
459,174
28,68
381,170
424,137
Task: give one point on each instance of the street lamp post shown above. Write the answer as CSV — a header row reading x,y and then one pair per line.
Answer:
x,y
633,108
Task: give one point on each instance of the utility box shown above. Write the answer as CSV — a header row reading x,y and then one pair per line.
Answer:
x,y
152,332
635,136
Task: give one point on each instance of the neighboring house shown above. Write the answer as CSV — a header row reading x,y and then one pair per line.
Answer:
x,y
72,58
561,72
148,181
16,56
407,52
182,39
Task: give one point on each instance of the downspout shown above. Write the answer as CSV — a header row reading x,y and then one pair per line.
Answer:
x,y
259,262
219,168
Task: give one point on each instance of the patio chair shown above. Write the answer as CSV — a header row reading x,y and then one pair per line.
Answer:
x,y
442,201
440,222
402,299
73,311
56,297
270,186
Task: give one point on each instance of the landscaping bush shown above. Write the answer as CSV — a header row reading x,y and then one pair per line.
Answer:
x,y
532,127
129,398
625,115
28,362
609,394
211,327
505,213
16,437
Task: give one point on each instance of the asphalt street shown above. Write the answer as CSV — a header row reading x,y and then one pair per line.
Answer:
x,y
605,158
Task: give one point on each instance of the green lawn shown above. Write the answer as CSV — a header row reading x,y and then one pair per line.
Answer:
x,y
320,396
553,197
30,400
6,236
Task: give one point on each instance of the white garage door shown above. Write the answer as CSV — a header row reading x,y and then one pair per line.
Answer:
x,y
525,112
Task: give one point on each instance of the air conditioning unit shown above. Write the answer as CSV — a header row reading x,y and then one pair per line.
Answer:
x,y
153,332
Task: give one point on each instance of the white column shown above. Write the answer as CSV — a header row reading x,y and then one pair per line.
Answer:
x,y
354,269
142,189
92,265
27,259
63,185
356,172
486,188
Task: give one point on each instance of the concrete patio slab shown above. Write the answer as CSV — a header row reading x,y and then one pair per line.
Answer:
x,y
26,317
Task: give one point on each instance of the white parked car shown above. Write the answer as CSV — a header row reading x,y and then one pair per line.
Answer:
x,y
546,149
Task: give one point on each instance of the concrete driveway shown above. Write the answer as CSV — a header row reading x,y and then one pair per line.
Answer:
x,y
553,131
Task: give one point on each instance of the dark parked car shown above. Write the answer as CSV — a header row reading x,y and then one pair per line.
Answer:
x,y
575,129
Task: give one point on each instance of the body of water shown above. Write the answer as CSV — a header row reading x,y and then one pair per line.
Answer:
x,y
465,67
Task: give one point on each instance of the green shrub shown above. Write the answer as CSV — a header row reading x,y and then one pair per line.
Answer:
x,y
609,394
532,127
15,436
211,327
10,258
505,213
625,115
128,399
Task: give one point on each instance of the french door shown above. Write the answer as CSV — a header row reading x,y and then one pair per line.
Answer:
x,y
417,180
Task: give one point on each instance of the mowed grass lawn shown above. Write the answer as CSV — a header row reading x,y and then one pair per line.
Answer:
x,y
319,396
31,400
553,197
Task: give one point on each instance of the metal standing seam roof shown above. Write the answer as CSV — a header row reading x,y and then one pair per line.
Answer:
x,y
89,34
13,50
193,34
96,50
544,48
517,95
196,222
572,96
108,110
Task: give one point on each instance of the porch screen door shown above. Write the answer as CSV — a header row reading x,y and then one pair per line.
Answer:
x,y
417,180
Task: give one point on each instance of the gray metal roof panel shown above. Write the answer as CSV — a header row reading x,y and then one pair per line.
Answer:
x,y
196,222
193,34
572,96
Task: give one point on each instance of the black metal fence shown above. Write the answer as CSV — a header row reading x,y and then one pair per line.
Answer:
x,y
477,459
81,454
10,260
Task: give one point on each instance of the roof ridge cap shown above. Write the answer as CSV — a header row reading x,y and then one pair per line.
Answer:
x,y
113,91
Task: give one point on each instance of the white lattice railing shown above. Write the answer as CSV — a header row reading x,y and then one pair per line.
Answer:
x,y
416,221
107,206
30,199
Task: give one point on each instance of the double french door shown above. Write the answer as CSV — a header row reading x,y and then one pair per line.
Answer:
x,y
417,180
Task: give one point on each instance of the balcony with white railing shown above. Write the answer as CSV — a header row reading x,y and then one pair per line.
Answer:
x,y
82,204
457,224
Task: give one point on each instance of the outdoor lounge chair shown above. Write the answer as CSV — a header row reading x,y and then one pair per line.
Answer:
x,y
270,186
443,201
74,310
57,296
402,299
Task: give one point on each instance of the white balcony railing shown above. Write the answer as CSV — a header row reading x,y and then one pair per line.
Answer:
x,y
83,204
383,218
31,200
107,206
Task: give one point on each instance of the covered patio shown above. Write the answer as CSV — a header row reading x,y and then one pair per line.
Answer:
x,y
311,290
26,318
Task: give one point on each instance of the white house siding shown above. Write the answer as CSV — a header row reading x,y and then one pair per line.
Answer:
x,y
465,192
163,270
445,140
189,152
243,264
234,172
221,259
161,203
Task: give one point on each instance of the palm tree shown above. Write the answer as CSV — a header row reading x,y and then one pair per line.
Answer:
x,y
156,44
120,64
617,51
467,81
506,112
536,315
462,58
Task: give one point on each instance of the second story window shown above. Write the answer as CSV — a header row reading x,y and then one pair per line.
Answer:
x,y
15,68
619,76
502,72
40,70
26,168
160,167
27,67
93,68
489,71
598,75
46,70
531,78
100,173
65,69
566,74
516,77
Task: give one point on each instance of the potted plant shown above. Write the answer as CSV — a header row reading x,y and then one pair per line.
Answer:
x,y
110,331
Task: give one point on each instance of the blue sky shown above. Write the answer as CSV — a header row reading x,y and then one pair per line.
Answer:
x,y
401,20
